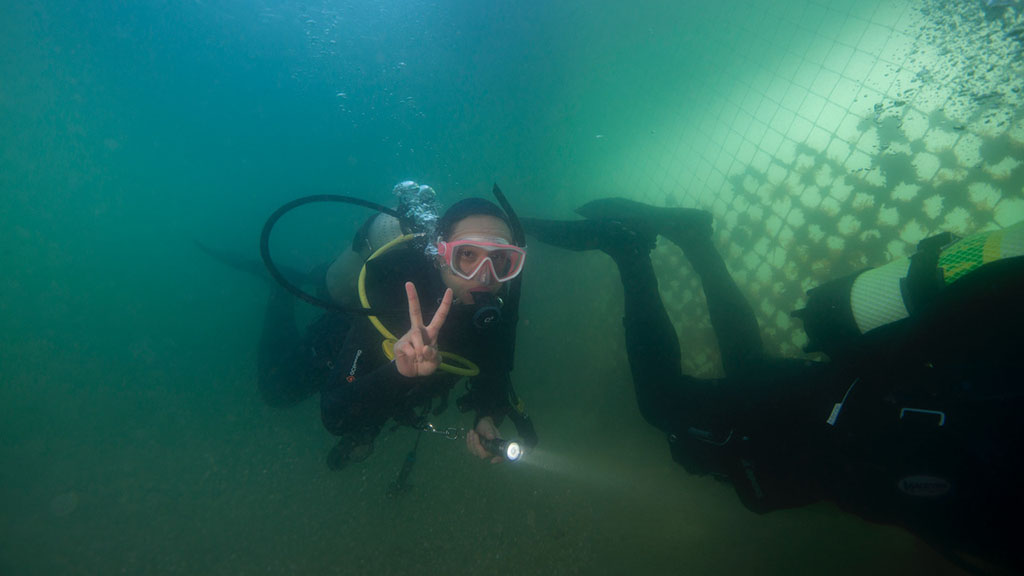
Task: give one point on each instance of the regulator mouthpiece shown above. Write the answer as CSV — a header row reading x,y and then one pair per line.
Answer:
x,y
488,310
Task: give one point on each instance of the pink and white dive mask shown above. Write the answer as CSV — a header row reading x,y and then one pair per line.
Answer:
x,y
475,257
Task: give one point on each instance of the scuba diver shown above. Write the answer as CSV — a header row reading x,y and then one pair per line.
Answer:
x,y
458,303
449,285
913,421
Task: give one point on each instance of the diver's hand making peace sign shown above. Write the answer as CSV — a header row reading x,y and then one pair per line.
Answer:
x,y
416,352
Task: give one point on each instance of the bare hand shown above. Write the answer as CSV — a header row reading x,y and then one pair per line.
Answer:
x,y
485,428
416,352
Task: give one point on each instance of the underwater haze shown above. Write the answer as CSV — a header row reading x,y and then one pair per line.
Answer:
x,y
824,135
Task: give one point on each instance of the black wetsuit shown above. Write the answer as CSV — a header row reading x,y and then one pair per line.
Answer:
x,y
341,356
292,366
929,434
365,388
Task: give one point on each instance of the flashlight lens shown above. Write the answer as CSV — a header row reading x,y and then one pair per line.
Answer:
x,y
513,451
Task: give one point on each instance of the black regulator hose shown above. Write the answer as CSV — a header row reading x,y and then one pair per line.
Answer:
x,y
517,227
511,308
299,293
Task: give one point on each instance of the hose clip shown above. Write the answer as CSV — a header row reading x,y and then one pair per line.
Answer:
x,y
450,433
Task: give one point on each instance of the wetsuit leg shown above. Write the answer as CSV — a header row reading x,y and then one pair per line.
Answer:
x,y
736,329
285,359
651,343
735,325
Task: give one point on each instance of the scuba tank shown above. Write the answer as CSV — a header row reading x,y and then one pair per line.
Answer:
x,y
839,312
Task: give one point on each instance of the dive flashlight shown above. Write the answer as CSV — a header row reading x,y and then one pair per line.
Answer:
x,y
510,449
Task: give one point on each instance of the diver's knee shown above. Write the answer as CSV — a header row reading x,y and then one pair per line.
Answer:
x,y
278,391
653,410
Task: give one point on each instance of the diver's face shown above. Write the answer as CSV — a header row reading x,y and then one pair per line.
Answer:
x,y
474,226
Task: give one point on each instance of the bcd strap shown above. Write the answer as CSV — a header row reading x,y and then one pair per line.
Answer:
x,y
828,319
924,277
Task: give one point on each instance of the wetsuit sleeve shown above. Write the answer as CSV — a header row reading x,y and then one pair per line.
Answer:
x,y
364,386
492,394
495,397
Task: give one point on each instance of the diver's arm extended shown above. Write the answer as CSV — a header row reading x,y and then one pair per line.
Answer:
x,y
490,395
493,398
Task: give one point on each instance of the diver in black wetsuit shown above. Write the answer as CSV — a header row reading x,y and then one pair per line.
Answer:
x,y
454,306
916,425
290,366
294,366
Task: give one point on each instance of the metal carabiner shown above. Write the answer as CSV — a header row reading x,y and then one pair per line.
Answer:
x,y
450,433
